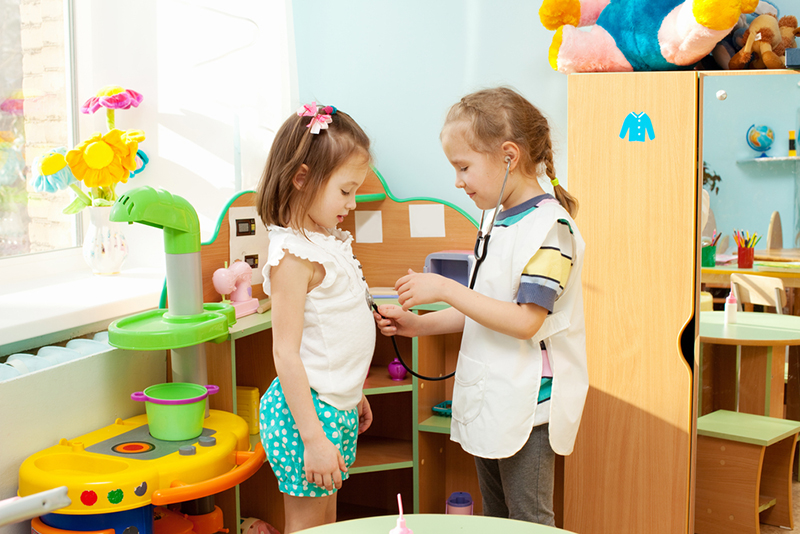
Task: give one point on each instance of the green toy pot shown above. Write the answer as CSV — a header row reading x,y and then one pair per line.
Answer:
x,y
175,411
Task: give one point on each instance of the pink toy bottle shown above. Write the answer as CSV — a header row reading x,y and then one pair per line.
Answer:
x,y
730,307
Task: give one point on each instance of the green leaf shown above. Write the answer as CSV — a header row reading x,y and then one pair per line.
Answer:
x,y
77,205
102,202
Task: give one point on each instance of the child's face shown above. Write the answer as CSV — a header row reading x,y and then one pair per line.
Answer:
x,y
338,197
479,175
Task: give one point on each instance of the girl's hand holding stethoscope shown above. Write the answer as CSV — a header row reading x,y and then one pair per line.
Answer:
x,y
415,289
394,321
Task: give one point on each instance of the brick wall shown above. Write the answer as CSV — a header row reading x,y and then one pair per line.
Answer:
x,y
44,77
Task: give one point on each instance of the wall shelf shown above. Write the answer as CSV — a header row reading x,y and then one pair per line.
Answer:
x,y
768,159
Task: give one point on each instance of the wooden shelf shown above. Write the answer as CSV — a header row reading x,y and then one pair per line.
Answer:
x,y
382,454
765,502
250,324
379,382
436,423
769,159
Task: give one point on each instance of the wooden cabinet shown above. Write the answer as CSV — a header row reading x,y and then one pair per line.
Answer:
x,y
633,462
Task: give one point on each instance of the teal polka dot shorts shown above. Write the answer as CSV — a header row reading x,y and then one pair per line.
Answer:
x,y
285,449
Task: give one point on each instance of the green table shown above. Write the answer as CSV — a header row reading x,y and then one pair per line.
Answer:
x,y
742,364
434,524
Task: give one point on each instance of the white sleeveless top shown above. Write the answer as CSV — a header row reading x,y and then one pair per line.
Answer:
x,y
338,327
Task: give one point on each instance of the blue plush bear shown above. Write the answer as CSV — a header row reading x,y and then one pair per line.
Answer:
x,y
628,35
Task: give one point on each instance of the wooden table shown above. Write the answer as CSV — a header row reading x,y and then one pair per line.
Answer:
x,y
777,254
434,524
721,274
742,364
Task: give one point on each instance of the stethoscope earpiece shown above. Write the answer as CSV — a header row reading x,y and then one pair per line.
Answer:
x,y
508,159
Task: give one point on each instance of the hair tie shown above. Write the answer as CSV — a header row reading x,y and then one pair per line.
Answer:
x,y
554,181
320,119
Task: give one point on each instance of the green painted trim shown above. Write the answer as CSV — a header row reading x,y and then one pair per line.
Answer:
x,y
415,425
381,467
222,215
388,389
437,424
767,505
374,197
428,199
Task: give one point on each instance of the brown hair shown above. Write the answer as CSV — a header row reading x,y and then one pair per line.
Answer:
x,y
278,201
497,115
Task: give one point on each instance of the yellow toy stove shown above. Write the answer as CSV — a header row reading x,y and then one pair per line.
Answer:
x,y
116,474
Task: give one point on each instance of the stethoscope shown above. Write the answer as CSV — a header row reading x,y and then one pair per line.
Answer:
x,y
481,248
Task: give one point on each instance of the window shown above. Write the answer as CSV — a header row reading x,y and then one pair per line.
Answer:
x,y
35,117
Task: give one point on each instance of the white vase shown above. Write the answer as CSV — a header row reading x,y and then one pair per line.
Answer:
x,y
104,245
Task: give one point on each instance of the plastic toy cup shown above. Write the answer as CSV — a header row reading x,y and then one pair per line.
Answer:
x,y
709,258
746,257
459,503
175,411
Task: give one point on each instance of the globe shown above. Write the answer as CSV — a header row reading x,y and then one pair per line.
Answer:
x,y
760,138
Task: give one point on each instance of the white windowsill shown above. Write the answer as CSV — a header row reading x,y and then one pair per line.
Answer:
x,y
49,308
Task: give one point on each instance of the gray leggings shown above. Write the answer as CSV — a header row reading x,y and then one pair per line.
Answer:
x,y
521,486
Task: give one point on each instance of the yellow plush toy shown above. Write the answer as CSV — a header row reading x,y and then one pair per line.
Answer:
x,y
766,41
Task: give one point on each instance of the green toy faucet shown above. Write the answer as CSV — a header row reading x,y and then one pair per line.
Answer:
x,y
188,323
161,209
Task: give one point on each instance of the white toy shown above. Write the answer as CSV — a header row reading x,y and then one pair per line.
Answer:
x,y
235,281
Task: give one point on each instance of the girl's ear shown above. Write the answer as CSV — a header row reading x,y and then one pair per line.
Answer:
x,y
511,153
299,178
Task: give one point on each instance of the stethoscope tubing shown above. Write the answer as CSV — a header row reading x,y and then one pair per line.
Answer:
x,y
480,255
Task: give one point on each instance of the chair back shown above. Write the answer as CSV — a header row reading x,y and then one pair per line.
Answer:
x,y
761,290
775,233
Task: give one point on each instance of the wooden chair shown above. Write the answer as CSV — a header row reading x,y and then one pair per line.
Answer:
x,y
775,234
762,290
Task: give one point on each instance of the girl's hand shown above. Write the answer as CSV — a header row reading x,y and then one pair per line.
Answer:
x,y
324,463
393,320
364,414
421,288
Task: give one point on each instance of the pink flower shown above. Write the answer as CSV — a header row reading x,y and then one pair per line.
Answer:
x,y
112,97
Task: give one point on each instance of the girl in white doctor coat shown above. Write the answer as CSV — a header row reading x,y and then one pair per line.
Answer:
x,y
521,378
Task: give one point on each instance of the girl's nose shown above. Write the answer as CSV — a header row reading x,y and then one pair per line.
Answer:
x,y
351,203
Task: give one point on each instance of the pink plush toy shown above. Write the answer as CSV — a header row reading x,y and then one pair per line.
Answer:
x,y
637,35
235,282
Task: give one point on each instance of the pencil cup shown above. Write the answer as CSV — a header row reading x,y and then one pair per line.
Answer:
x,y
746,257
709,258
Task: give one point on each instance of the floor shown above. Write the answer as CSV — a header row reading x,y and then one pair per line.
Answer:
x,y
769,529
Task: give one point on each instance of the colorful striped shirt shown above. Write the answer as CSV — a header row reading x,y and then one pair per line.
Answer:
x,y
544,276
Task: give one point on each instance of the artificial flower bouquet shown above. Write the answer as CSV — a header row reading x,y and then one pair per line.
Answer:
x,y
100,162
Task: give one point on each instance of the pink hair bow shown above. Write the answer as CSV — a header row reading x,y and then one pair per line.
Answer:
x,y
307,110
319,121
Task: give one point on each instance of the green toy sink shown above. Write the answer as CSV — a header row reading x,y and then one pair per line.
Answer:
x,y
158,330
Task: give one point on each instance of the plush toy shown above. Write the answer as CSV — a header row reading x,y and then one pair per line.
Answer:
x,y
765,43
636,35
734,42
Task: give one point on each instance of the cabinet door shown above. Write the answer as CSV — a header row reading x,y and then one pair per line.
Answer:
x,y
633,167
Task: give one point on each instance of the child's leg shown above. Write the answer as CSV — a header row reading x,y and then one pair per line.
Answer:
x,y
528,479
306,512
491,484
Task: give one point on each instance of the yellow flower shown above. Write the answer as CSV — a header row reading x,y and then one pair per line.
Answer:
x,y
103,160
